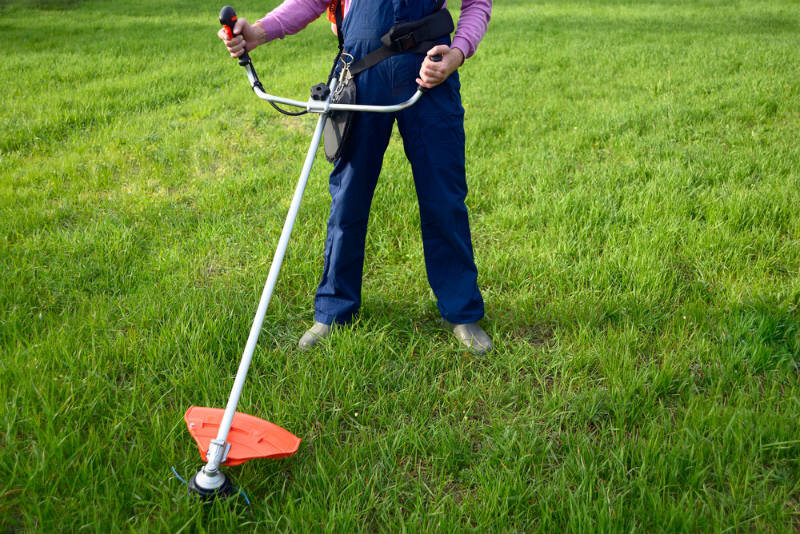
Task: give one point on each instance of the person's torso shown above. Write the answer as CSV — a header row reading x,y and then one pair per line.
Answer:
x,y
368,20
392,80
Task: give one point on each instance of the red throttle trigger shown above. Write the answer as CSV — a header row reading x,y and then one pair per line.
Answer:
x,y
227,17
436,59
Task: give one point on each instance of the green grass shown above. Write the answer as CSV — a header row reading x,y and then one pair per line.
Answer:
x,y
634,189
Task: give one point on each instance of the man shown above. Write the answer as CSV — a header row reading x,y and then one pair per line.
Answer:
x,y
433,138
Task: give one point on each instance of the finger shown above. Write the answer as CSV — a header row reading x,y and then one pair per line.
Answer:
x,y
430,84
430,69
438,65
222,34
236,43
426,65
237,28
431,79
237,47
433,82
431,72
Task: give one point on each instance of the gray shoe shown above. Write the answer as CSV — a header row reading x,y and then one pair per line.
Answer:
x,y
471,336
314,335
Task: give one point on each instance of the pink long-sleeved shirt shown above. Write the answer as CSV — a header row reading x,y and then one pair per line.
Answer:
x,y
293,15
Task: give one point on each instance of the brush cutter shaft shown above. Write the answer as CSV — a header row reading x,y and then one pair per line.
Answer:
x,y
218,448
210,478
216,451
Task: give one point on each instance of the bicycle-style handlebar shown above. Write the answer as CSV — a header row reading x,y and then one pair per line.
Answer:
x,y
227,17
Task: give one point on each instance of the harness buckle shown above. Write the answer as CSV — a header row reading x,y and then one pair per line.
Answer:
x,y
405,42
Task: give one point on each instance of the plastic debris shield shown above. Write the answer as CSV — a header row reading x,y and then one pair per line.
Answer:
x,y
250,437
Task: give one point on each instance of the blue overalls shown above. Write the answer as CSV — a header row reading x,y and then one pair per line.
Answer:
x,y
433,138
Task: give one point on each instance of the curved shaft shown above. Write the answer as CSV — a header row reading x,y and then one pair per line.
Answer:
x,y
380,109
317,106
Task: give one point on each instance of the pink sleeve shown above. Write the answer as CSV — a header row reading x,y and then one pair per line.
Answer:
x,y
472,24
291,16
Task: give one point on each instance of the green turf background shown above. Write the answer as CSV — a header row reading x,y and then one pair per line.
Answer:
x,y
634,192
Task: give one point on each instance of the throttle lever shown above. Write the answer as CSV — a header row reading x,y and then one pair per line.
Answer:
x,y
227,17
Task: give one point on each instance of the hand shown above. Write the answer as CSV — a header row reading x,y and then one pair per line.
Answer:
x,y
432,73
245,37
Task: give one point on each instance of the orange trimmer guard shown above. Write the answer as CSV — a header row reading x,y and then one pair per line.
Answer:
x,y
250,437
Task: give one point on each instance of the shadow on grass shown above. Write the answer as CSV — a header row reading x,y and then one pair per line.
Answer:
x,y
761,335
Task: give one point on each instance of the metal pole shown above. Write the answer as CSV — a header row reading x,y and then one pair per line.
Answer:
x,y
217,450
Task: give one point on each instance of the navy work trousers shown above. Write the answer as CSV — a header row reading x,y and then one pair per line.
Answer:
x,y
433,139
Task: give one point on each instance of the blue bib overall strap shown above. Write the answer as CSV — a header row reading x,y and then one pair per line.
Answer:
x,y
433,139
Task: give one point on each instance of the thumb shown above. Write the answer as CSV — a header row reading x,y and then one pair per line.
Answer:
x,y
239,26
438,49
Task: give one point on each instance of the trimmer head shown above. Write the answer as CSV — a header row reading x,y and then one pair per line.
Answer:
x,y
209,494
249,438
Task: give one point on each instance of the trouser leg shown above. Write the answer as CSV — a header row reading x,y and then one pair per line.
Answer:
x,y
433,138
352,184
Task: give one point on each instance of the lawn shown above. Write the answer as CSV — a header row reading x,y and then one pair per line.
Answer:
x,y
634,179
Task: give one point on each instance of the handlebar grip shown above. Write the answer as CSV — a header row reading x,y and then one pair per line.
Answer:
x,y
436,59
227,17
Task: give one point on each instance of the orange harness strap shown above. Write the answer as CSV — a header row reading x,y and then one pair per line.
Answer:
x,y
332,7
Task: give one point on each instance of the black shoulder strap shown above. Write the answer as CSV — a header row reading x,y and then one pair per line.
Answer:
x,y
338,7
338,15
417,37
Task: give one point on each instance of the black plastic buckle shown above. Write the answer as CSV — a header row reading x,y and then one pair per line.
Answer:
x,y
406,42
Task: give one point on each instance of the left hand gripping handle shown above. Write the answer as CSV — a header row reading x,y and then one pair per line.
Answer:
x,y
227,17
436,59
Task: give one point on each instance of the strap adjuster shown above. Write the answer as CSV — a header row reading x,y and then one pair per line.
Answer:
x,y
405,42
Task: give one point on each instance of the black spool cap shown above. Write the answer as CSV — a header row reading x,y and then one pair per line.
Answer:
x,y
204,494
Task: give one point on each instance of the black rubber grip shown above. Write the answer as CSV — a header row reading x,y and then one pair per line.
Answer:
x,y
227,17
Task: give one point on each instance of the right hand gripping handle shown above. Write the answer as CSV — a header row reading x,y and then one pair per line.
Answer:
x,y
227,17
